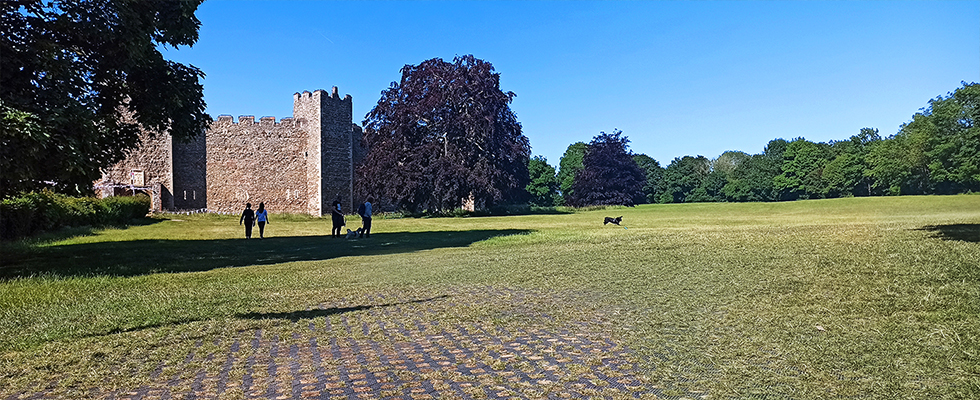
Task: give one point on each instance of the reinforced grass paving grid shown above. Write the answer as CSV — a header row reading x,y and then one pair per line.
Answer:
x,y
393,348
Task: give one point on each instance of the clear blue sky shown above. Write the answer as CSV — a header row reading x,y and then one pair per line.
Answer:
x,y
678,78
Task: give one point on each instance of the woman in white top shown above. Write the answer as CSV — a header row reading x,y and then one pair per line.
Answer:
x,y
262,217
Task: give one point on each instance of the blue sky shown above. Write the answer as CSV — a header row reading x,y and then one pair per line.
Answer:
x,y
677,77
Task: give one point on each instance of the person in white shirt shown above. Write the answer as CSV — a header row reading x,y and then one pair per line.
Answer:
x,y
365,212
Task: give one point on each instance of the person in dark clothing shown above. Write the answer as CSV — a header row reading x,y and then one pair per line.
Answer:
x,y
248,217
338,218
365,212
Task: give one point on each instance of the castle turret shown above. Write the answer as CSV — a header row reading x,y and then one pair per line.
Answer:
x,y
330,145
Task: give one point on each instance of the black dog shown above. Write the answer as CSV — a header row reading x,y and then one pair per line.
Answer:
x,y
612,220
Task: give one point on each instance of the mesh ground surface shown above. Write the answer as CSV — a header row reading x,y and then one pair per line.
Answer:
x,y
393,348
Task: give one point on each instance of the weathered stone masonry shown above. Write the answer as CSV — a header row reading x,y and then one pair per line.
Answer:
x,y
297,165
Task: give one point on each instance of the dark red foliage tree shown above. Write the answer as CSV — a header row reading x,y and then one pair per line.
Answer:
x,y
609,175
443,135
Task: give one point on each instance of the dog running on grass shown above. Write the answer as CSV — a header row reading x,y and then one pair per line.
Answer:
x,y
611,220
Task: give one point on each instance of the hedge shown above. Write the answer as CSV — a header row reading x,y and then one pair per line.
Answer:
x,y
36,212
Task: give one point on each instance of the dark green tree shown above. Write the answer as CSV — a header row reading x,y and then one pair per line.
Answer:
x,y
802,169
77,80
654,173
544,184
444,134
710,188
752,179
938,151
953,151
898,165
568,166
847,173
609,176
682,177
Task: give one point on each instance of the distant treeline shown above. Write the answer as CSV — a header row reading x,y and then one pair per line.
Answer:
x,y
937,152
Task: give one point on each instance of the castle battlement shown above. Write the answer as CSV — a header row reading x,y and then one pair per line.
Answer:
x,y
320,94
264,121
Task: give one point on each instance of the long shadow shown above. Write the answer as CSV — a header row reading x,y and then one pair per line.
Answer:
x,y
68,232
294,316
960,232
160,256
310,314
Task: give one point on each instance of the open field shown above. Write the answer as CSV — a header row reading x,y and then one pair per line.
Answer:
x,y
859,297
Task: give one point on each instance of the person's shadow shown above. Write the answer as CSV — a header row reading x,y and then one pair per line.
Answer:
x,y
295,316
140,257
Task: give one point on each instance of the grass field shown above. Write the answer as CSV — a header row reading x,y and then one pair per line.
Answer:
x,y
859,297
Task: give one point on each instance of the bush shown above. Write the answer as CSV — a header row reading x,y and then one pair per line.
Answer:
x,y
37,212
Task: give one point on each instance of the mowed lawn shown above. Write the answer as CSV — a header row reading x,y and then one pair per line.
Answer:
x,y
859,297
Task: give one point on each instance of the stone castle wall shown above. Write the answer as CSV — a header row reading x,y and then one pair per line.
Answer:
x,y
252,162
297,165
154,161
190,188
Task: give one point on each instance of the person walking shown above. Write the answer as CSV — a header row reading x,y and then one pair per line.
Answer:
x,y
248,217
262,217
338,218
365,212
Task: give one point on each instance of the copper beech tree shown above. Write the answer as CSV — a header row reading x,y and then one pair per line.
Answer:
x,y
442,136
609,175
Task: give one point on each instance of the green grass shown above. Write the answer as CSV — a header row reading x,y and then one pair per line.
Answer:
x,y
859,297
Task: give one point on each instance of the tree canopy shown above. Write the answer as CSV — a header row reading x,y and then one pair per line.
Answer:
x,y
568,166
80,77
442,135
543,187
654,174
937,152
609,176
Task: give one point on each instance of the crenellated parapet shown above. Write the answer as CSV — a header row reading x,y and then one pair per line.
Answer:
x,y
225,119
320,94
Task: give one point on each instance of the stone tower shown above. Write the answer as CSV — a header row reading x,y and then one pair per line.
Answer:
x,y
331,150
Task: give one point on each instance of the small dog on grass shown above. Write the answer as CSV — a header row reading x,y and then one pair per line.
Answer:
x,y
611,220
354,234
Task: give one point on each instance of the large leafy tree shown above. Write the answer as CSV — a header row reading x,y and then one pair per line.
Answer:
x,y
954,146
442,135
79,77
682,177
802,176
654,173
752,179
568,166
609,176
543,187
846,174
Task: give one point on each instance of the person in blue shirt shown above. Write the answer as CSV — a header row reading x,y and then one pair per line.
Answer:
x,y
262,217
365,212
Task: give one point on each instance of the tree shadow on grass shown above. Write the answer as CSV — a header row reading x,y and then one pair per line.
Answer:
x,y
960,232
141,257
326,312
69,232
